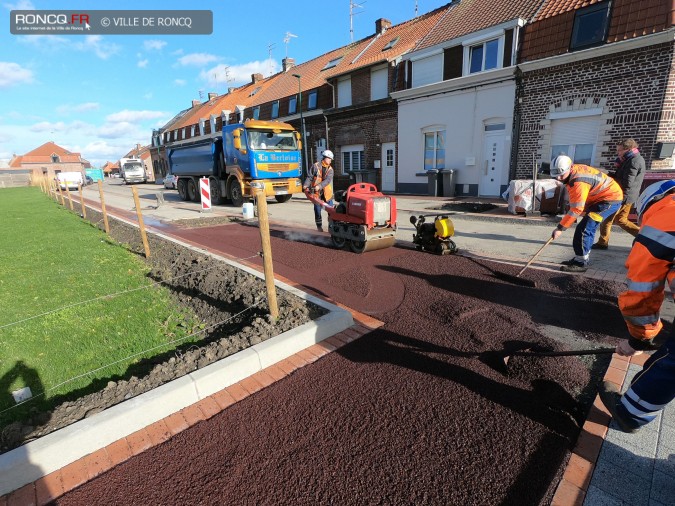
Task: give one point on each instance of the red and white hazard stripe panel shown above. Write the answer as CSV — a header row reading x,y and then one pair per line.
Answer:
x,y
205,190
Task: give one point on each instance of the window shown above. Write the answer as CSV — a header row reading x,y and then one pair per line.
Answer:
x,y
434,150
344,92
311,102
390,44
55,158
579,153
495,127
590,26
332,63
378,83
352,158
484,56
256,112
275,109
292,105
256,90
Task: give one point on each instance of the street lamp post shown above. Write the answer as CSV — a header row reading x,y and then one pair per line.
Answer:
x,y
302,123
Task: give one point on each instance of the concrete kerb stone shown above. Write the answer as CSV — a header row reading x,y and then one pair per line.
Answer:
x,y
54,451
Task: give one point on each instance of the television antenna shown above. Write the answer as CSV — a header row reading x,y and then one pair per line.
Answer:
x,y
270,46
287,39
415,8
353,4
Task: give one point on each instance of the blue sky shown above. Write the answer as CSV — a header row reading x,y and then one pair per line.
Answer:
x,y
100,95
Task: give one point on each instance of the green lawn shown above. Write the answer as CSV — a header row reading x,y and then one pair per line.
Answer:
x,y
51,259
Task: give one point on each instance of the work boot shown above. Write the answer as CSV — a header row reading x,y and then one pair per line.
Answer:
x,y
568,262
319,227
611,397
597,245
574,266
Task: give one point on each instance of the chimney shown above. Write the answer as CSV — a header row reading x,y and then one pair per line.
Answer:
x,y
256,77
212,95
195,103
287,63
381,26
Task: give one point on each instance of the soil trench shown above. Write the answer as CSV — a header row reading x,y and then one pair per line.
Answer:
x,y
416,412
215,291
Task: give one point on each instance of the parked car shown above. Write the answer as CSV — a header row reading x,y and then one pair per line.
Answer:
x,y
170,181
88,180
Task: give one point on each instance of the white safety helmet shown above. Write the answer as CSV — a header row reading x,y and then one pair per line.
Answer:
x,y
560,165
328,154
653,193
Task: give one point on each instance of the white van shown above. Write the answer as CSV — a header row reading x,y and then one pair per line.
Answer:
x,y
70,180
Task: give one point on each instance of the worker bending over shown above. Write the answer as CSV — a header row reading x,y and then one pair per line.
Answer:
x,y
590,191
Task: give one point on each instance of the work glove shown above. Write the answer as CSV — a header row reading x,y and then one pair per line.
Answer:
x,y
556,233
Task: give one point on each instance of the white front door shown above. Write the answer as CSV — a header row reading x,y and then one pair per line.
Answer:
x,y
388,164
493,164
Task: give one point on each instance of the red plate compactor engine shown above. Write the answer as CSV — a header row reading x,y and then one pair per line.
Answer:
x,y
363,218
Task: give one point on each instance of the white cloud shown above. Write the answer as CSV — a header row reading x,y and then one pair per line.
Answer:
x,y
59,126
177,52
143,63
148,95
95,44
116,130
156,45
237,74
13,74
134,116
179,82
21,5
84,107
197,59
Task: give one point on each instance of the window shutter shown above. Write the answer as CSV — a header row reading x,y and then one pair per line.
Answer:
x,y
575,130
378,84
427,70
452,62
508,47
345,92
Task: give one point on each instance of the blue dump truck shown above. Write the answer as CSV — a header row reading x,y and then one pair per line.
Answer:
x,y
253,154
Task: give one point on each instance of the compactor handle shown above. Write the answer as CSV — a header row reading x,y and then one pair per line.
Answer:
x,y
362,188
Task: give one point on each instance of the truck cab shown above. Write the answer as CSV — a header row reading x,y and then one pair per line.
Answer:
x,y
132,170
246,156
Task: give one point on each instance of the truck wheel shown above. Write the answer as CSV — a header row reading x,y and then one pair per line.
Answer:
x,y
282,198
236,196
216,197
192,192
182,189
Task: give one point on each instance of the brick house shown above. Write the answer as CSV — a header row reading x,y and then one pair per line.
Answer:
x,y
48,160
457,113
339,99
594,73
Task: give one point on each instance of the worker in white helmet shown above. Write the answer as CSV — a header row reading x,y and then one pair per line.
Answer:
x,y
592,192
320,182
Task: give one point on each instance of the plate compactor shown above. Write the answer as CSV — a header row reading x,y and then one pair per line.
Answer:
x,y
434,237
362,218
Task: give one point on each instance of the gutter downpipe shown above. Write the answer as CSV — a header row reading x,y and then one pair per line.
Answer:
x,y
325,118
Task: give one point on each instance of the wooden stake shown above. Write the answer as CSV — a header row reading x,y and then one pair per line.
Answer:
x,y
84,209
63,199
105,215
268,268
70,200
140,222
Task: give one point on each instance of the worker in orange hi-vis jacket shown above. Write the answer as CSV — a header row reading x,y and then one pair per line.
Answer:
x,y
650,264
591,191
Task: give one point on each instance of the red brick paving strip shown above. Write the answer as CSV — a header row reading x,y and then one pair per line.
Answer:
x,y
573,487
56,484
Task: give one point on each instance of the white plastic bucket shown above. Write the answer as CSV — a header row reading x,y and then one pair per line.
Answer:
x,y
247,210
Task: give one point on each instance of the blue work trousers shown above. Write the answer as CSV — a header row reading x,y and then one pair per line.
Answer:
x,y
317,212
652,388
584,234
